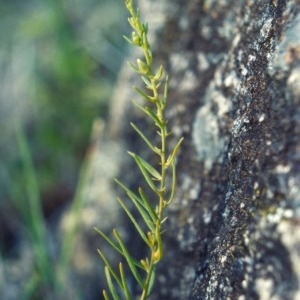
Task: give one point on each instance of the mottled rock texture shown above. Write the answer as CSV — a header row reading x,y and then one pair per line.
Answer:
x,y
234,67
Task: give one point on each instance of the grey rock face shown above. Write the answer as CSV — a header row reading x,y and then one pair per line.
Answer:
x,y
234,67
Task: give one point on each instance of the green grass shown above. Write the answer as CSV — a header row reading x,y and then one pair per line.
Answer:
x,y
62,84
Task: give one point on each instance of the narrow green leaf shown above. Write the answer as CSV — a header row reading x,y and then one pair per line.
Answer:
x,y
146,217
159,74
175,151
144,95
158,85
131,21
129,192
114,245
145,171
147,166
151,282
153,148
111,285
150,113
128,39
129,259
137,263
124,282
166,89
134,221
146,81
147,205
105,295
145,27
141,207
110,268
158,122
174,179
134,67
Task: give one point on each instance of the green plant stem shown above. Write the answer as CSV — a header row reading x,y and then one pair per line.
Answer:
x,y
35,216
155,176
147,281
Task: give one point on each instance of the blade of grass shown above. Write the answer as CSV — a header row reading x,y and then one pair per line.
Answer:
x,y
35,217
70,236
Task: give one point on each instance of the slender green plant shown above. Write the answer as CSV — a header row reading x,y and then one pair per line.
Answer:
x,y
33,217
152,209
45,275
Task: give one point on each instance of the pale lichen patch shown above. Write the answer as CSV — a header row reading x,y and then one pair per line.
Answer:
x,y
293,82
224,105
232,80
207,141
183,23
179,62
281,60
261,118
189,81
283,168
203,63
207,216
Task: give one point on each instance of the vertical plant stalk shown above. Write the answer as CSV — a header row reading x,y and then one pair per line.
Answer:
x,y
34,216
151,210
53,276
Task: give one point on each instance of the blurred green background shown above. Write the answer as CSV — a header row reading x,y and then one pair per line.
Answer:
x,y
59,60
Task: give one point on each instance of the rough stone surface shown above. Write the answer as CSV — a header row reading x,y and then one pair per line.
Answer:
x,y
234,66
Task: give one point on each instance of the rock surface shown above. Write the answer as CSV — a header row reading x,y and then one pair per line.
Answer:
x,y
234,66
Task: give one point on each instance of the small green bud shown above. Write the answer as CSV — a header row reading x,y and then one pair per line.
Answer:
x,y
132,22
151,238
145,264
142,66
136,40
157,256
